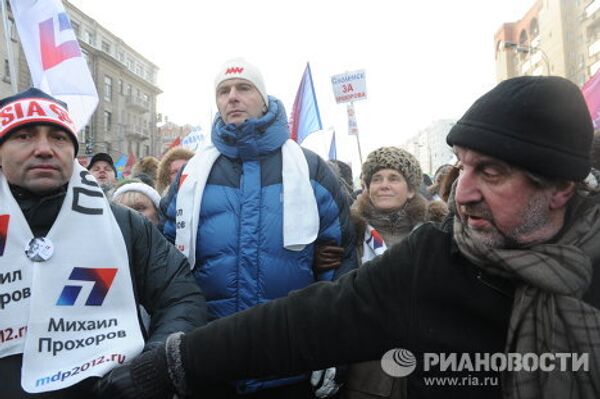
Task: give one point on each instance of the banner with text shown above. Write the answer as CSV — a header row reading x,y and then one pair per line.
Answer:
x,y
350,86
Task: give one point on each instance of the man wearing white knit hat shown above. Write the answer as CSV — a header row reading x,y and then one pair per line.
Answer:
x,y
250,209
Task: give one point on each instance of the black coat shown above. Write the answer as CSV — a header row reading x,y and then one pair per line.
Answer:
x,y
162,281
421,295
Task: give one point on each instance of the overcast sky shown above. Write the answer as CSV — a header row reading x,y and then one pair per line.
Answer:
x,y
424,60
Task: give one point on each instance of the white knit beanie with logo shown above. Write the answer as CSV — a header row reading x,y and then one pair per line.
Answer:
x,y
239,68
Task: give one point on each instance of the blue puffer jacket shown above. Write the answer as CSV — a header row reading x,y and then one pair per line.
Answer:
x,y
240,259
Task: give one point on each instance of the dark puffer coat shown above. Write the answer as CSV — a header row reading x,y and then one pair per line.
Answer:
x,y
421,295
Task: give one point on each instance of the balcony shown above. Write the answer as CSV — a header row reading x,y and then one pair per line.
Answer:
x,y
137,104
591,9
136,133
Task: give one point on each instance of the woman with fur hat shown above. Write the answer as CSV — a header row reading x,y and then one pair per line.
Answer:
x,y
147,166
388,209
169,165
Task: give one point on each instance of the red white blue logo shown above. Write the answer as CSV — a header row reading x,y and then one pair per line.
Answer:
x,y
53,52
3,232
375,241
102,278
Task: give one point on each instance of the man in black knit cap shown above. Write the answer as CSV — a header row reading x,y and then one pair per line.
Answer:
x,y
74,268
102,167
502,299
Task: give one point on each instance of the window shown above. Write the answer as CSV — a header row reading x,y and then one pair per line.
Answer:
x,y
6,77
12,29
90,38
108,88
107,121
106,47
128,89
534,29
75,27
523,39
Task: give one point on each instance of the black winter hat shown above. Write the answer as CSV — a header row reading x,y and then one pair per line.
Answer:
x,y
538,123
102,156
33,106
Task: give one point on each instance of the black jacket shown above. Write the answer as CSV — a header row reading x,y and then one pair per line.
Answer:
x,y
161,276
421,295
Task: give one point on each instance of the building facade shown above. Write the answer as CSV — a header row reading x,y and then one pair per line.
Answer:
x,y
554,37
430,148
6,77
125,120
168,132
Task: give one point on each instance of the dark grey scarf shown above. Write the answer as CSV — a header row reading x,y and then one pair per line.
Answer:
x,y
548,314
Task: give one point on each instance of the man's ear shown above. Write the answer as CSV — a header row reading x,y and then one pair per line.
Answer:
x,y
561,194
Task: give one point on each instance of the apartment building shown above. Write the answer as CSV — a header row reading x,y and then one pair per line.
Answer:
x,y
554,37
429,146
125,120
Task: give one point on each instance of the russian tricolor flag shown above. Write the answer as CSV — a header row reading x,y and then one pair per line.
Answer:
x,y
305,117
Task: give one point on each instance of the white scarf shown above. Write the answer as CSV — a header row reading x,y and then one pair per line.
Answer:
x,y
373,244
45,313
300,212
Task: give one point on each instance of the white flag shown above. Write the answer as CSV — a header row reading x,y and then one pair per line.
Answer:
x,y
193,140
54,57
352,125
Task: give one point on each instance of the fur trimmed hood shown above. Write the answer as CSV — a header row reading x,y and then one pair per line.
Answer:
x,y
173,154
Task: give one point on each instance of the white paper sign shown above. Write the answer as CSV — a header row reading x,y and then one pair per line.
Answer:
x,y
350,86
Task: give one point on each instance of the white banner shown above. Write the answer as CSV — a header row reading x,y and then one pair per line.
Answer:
x,y
350,86
54,57
193,140
352,125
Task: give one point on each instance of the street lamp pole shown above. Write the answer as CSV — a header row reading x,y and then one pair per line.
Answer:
x,y
529,50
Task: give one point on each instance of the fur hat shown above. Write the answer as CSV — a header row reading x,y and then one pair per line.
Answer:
x,y
239,68
393,158
33,106
147,165
538,123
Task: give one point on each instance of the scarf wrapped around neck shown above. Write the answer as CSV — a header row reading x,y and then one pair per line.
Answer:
x,y
253,137
548,314
248,142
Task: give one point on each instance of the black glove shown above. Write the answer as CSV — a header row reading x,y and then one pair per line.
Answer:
x,y
146,377
328,256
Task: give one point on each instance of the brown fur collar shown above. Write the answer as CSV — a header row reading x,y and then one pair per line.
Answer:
x,y
415,211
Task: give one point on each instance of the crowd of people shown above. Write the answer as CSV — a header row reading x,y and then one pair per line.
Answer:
x,y
253,268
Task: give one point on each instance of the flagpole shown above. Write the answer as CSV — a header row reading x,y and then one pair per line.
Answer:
x,y
357,138
11,60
